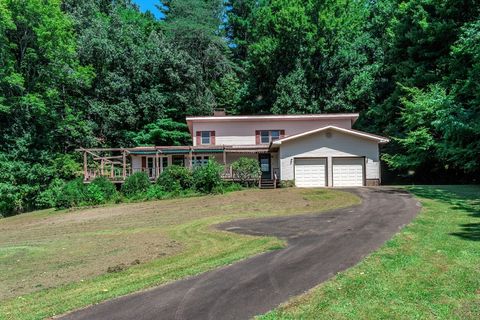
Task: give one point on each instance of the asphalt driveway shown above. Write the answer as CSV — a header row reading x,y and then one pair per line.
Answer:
x,y
319,246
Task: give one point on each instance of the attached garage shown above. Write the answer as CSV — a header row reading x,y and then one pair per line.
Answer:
x,y
348,172
311,172
329,156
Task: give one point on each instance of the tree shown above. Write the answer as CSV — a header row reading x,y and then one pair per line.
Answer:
x,y
164,132
246,171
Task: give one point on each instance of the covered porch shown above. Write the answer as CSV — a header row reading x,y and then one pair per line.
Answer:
x,y
117,164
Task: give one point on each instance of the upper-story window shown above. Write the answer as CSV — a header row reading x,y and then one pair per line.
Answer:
x,y
205,137
267,136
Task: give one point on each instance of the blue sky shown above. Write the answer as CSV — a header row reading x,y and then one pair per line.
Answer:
x,y
149,5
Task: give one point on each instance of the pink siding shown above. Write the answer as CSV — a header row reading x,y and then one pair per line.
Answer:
x,y
243,132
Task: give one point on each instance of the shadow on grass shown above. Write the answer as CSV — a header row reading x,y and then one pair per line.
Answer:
x,y
464,198
470,231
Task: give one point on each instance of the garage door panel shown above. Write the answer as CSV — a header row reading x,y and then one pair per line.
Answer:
x,y
310,173
348,172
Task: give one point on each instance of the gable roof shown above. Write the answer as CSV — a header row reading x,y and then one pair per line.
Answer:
x,y
353,132
285,117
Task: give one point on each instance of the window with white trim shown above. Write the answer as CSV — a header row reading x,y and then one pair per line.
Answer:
x,y
205,137
267,136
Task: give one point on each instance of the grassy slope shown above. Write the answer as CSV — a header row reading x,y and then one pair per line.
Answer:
x,y
202,247
431,270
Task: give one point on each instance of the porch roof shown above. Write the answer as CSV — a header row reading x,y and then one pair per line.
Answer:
x,y
152,150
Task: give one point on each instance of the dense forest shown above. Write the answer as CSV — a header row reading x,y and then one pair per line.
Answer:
x,y
102,73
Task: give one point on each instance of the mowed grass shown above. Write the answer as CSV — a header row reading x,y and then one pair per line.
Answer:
x,y
431,270
56,261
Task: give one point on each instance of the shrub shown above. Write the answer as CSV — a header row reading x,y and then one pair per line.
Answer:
x,y
106,187
207,177
156,192
287,183
226,187
93,195
175,178
73,194
135,184
246,171
49,197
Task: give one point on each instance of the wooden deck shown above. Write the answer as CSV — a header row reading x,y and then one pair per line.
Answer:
x,y
117,164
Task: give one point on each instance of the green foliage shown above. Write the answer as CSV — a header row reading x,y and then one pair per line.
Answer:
x,y
287,183
164,132
292,93
156,192
106,188
226,187
207,177
101,73
50,197
136,184
93,195
175,178
246,171
74,194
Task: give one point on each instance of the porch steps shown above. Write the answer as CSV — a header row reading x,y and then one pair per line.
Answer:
x,y
267,184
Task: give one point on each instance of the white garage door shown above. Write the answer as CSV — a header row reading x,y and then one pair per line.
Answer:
x,y
348,172
310,173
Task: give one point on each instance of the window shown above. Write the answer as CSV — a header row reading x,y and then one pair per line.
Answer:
x,y
267,136
205,137
198,161
164,162
275,135
178,160
264,137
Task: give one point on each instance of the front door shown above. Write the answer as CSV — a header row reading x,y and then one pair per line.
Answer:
x,y
265,165
150,169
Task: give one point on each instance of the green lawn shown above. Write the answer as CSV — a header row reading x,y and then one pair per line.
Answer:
x,y
56,261
431,270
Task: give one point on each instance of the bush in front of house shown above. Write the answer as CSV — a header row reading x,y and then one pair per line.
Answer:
x,y
208,177
105,187
246,171
136,184
226,187
287,183
175,182
73,194
175,178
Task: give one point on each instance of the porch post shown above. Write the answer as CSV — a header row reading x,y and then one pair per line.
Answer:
x,y
102,162
190,154
111,170
85,173
124,158
224,156
157,168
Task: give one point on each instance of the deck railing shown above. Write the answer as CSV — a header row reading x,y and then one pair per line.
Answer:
x,y
117,173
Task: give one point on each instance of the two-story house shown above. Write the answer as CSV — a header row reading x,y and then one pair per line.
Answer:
x,y
314,150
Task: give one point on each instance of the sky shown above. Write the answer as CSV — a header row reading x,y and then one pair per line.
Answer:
x,y
149,5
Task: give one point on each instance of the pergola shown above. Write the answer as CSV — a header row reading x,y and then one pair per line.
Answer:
x,y
106,162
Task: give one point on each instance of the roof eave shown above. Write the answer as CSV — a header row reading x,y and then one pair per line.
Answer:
x,y
378,139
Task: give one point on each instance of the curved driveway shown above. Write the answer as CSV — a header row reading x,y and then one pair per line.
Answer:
x,y
319,246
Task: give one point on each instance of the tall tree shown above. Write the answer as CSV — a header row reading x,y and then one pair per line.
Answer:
x,y
421,74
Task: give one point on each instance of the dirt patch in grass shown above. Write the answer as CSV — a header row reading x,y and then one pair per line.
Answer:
x,y
50,248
